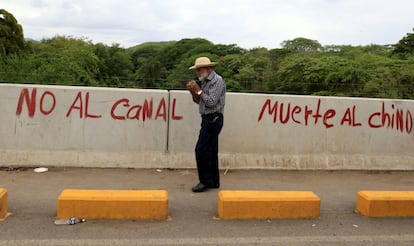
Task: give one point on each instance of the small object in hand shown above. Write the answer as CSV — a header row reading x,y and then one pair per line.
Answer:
x,y
196,88
193,87
190,85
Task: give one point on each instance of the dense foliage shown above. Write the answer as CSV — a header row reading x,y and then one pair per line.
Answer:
x,y
301,66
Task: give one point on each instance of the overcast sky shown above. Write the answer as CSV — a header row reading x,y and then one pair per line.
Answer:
x,y
248,23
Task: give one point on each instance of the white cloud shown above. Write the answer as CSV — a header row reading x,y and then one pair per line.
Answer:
x,y
245,22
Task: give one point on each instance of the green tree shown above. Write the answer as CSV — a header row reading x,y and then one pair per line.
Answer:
x,y
11,34
150,72
302,66
319,74
389,77
254,71
148,50
302,45
405,46
115,66
59,60
174,54
230,49
229,66
290,75
73,57
345,77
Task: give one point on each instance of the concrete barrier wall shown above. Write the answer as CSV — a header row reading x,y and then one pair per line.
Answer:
x,y
103,127
302,132
82,126
324,133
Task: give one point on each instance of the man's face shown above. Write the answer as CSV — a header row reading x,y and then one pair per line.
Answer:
x,y
202,72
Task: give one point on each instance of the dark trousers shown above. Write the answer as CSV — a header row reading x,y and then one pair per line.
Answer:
x,y
206,150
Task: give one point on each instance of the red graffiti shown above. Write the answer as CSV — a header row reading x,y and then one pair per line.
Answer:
x,y
392,120
173,116
350,118
30,99
284,114
399,119
83,108
329,114
122,110
42,98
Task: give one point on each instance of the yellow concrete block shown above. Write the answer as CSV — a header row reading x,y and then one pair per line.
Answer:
x,y
3,204
268,204
113,204
386,203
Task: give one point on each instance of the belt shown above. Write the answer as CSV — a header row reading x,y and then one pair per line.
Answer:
x,y
211,116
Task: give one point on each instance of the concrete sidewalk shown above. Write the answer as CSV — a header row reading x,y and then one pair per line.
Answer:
x,y
32,200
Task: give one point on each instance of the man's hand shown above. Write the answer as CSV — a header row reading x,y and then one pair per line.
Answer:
x,y
190,84
193,87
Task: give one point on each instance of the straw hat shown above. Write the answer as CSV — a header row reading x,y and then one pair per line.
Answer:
x,y
202,62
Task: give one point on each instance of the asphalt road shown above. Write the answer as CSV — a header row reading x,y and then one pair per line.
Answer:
x,y
32,200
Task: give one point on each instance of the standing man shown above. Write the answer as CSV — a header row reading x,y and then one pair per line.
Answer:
x,y
211,99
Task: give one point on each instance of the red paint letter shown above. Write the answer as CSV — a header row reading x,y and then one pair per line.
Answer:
x,y
163,108
126,104
137,112
347,117
317,115
308,112
399,120
147,110
173,116
271,111
408,122
78,97
87,115
30,102
286,119
354,118
328,115
53,103
370,120
296,110
385,116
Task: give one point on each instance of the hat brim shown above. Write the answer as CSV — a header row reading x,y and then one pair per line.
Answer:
x,y
212,64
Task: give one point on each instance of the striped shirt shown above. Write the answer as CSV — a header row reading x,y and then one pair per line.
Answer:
x,y
214,89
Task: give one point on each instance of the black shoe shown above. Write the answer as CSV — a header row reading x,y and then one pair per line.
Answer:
x,y
199,188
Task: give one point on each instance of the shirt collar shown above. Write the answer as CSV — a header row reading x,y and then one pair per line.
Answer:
x,y
210,76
